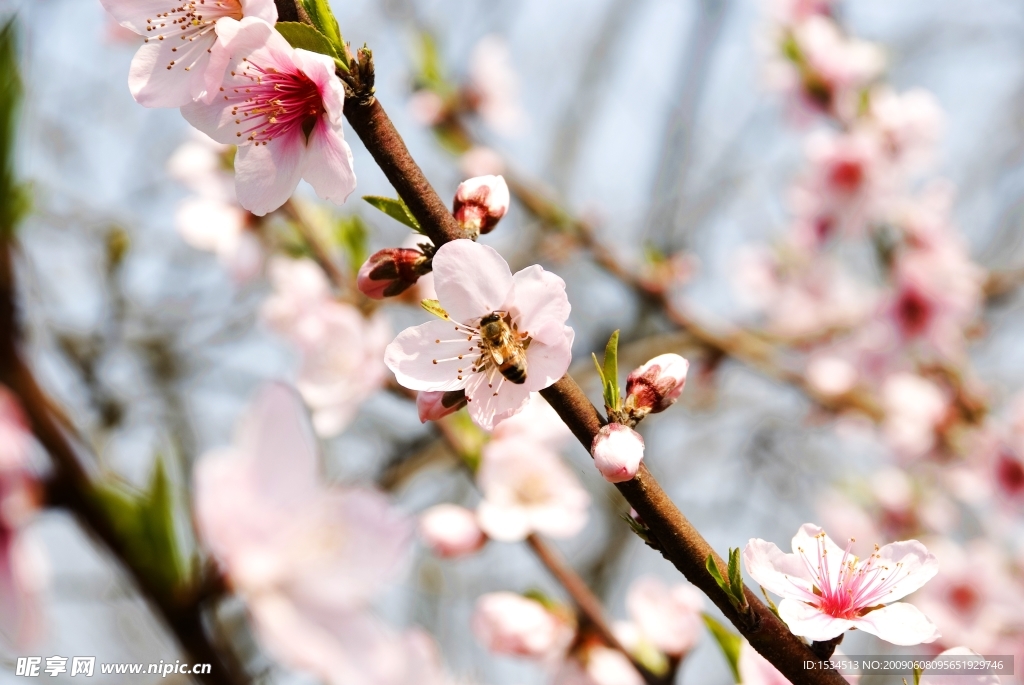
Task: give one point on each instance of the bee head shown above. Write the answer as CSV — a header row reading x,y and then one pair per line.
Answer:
x,y
493,317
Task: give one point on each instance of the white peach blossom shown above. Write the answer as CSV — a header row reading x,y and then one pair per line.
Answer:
x,y
617,451
170,69
827,591
528,489
473,281
283,108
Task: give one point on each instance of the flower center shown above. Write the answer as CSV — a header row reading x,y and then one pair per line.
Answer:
x,y
855,587
273,103
192,23
532,490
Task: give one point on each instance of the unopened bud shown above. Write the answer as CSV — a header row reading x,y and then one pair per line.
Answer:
x,y
480,203
656,385
434,405
390,272
451,531
617,451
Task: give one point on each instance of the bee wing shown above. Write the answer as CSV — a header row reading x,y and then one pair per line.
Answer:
x,y
497,356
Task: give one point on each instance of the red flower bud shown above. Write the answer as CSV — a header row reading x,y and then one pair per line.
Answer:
x,y
655,386
390,272
480,203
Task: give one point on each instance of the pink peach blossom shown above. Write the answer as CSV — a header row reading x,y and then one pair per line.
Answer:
x,y
956,654
434,406
528,489
827,591
914,408
305,558
451,531
507,623
283,108
170,69
494,86
473,281
655,386
617,451
22,569
480,203
342,350
667,617
596,664
537,423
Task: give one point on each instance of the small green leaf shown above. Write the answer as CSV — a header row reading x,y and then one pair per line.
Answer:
x,y
600,371
351,233
435,308
735,576
611,371
730,643
431,73
917,676
306,37
15,200
396,209
713,569
320,14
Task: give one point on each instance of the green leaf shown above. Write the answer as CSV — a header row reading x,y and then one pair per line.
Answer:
x,y
306,37
14,200
713,569
320,14
770,603
351,233
611,371
917,676
144,523
735,576
435,308
396,209
600,371
730,643
431,72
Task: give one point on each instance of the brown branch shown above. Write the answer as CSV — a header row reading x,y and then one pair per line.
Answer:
x,y
679,542
71,487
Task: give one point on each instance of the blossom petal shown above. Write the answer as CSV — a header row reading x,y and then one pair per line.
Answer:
x,y
806,542
781,573
150,81
410,356
264,9
329,167
810,622
545,364
471,280
266,175
538,300
491,402
132,14
899,623
913,561
320,69
505,524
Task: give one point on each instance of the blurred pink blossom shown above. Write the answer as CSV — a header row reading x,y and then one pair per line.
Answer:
x,y
756,670
427,107
790,12
282,138
481,161
507,623
472,282
827,591
964,678
909,125
537,423
23,570
667,617
914,408
528,489
596,664
617,451
341,350
306,558
451,531
170,69
494,86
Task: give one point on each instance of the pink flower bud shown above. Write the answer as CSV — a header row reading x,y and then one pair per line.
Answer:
x,y
434,405
617,451
451,531
655,386
480,203
390,272
507,623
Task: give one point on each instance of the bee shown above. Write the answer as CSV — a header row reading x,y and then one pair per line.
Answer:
x,y
499,341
